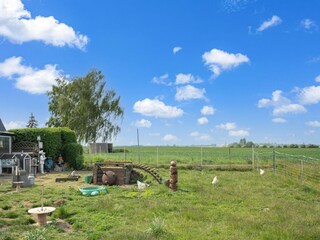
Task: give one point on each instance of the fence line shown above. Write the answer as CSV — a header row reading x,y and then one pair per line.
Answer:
x,y
301,168
305,169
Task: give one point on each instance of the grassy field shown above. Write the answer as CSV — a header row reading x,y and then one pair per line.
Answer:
x,y
197,155
244,205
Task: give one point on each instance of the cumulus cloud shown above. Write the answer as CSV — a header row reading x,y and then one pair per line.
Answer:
x,y
279,120
31,80
308,24
219,60
14,125
163,79
189,92
156,108
143,123
186,78
317,79
170,138
227,126
17,25
232,131
272,22
202,121
281,105
207,110
239,133
200,136
176,49
290,108
315,124
309,95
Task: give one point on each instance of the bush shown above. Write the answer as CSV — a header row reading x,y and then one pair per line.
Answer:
x,y
73,155
68,136
35,234
53,139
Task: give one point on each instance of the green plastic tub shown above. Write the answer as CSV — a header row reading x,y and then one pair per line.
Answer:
x,y
92,191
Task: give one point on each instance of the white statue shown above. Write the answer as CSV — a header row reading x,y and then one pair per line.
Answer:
x,y
42,158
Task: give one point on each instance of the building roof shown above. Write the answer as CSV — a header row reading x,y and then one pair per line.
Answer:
x,y
3,131
2,128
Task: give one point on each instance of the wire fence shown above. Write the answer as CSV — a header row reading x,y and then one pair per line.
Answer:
x,y
293,164
300,168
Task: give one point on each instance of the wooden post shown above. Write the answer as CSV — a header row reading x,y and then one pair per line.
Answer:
x,y
173,176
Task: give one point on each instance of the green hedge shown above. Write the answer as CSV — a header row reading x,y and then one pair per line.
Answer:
x,y
54,139
73,155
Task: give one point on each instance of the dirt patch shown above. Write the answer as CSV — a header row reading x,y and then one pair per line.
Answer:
x,y
27,204
64,225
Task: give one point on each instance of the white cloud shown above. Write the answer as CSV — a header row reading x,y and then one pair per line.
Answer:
x,y
290,108
317,79
195,134
202,120
170,138
239,133
176,49
279,120
187,78
143,123
32,80
189,92
281,105
309,132
17,25
163,79
156,108
309,95
276,100
219,60
308,24
207,110
200,137
14,125
315,124
274,21
227,126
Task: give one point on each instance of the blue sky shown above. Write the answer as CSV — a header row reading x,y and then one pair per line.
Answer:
x,y
188,72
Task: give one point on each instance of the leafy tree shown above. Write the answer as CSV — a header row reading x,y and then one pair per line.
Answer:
x,y
249,144
293,146
33,123
242,141
85,106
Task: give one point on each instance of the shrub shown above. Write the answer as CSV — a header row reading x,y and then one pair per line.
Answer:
x,y
35,234
68,136
53,139
73,155
157,227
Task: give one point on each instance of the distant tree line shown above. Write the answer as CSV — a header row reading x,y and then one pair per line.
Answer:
x,y
244,144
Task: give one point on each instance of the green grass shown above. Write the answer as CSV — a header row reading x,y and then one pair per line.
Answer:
x,y
196,155
244,205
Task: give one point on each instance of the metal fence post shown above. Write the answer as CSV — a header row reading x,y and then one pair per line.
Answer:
x,y
201,156
274,162
252,160
157,157
301,171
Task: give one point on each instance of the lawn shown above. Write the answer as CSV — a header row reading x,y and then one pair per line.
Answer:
x,y
196,155
244,205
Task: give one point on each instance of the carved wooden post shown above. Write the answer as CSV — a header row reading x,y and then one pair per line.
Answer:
x,y
173,176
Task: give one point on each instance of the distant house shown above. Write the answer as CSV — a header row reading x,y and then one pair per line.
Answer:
x,y
5,139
